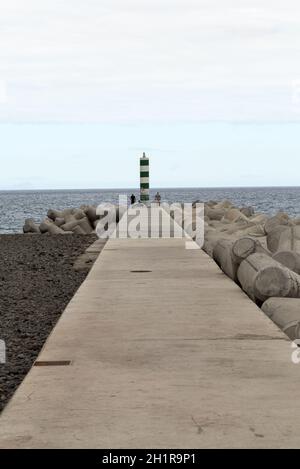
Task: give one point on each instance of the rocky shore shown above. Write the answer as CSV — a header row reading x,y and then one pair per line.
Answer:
x,y
262,255
37,280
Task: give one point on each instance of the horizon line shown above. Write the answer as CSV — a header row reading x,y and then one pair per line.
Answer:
x,y
153,188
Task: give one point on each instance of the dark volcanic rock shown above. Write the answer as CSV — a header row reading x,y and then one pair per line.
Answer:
x,y
37,280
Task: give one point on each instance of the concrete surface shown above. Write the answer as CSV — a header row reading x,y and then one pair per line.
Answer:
x,y
173,357
86,261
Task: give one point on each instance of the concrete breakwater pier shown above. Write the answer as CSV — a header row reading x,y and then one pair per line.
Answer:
x,y
254,250
158,349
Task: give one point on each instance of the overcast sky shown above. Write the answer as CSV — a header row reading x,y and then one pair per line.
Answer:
x,y
202,85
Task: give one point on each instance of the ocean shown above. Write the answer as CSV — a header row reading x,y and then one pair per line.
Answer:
x,y
16,206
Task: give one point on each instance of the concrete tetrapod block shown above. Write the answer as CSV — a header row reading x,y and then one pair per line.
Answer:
x,y
216,224
242,229
247,211
59,221
263,242
85,225
244,247
211,203
67,214
234,215
290,259
211,238
285,313
48,226
53,214
277,220
31,227
289,239
273,237
213,213
222,254
259,218
261,277
224,204
79,214
91,213
53,229
208,246
258,231
239,227
69,226
95,223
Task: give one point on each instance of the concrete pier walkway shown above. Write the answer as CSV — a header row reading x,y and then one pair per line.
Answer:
x,y
158,349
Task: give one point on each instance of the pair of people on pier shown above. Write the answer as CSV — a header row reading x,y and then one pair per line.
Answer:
x,y
157,198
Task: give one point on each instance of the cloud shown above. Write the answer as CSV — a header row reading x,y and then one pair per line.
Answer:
x,y
139,60
3,92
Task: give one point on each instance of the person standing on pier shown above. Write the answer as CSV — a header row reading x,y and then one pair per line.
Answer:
x,y
157,198
132,199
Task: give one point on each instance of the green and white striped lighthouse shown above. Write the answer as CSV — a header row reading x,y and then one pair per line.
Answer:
x,y
144,178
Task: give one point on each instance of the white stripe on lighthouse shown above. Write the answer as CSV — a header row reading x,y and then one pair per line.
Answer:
x,y
144,180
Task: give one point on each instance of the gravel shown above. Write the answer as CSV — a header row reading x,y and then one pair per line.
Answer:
x,y
37,280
